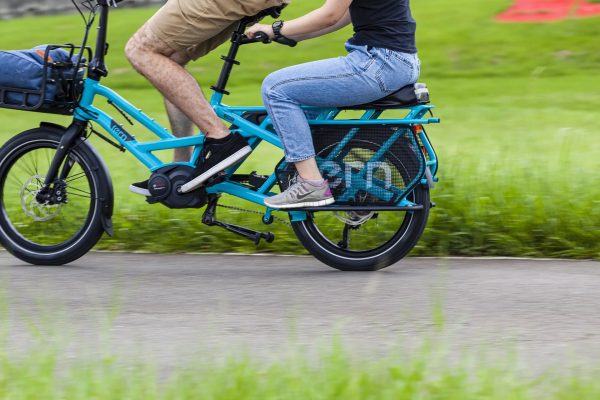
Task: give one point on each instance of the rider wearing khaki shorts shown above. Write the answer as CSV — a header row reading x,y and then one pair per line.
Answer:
x,y
182,31
197,27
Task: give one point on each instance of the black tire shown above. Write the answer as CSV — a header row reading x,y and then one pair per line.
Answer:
x,y
394,250
369,241
21,239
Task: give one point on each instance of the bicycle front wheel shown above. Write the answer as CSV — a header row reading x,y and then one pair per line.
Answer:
x,y
63,227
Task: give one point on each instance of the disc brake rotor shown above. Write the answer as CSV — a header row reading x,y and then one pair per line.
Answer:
x,y
32,208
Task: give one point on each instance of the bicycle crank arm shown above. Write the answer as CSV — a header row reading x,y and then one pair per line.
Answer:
x,y
210,218
248,233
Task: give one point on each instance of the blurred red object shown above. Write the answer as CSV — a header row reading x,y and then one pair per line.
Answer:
x,y
587,9
538,11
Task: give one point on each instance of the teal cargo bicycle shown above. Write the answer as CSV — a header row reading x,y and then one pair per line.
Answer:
x,y
56,195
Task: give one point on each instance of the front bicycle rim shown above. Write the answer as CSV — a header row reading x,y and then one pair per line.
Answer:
x,y
51,232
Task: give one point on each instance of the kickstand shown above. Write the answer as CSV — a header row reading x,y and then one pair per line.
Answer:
x,y
210,218
343,244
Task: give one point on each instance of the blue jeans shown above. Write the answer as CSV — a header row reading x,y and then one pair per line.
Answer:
x,y
366,74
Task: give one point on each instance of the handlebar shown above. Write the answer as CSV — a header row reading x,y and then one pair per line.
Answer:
x,y
261,37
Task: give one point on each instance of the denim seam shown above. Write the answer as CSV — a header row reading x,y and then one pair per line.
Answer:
x,y
300,159
379,73
275,121
371,61
312,78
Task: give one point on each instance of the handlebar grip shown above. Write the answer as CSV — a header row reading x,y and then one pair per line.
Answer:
x,y
262,37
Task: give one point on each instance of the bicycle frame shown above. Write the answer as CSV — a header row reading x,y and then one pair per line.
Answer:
x,y
143,151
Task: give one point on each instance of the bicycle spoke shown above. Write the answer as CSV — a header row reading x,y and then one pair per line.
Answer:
x,y
75,177
25,168
81,192
35,165
80,195
48,159
16,181
45,224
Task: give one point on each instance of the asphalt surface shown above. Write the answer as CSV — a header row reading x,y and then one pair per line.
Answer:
x,y
178,308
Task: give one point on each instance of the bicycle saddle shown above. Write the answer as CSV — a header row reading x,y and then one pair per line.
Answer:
x,y
408,96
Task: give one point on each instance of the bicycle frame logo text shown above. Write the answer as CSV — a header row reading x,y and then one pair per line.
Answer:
x,y
119,131
357,171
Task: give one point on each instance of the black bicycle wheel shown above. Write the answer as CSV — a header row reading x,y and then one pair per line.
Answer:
x,y
54,232
367,240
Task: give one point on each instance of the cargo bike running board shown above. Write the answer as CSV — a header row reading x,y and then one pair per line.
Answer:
x,y
416,207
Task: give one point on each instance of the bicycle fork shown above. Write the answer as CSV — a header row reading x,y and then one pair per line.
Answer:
x,y
73,132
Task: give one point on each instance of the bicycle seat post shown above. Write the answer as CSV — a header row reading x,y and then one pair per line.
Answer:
x,y
230,58
236,42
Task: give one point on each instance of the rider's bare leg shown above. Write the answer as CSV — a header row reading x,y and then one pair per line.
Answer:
x,y
181,126
308,170
152,57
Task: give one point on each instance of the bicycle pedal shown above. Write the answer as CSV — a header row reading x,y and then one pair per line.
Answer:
x,y
254,180
210,218
251,234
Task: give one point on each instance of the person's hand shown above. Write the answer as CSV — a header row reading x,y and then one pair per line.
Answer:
x,y
268,29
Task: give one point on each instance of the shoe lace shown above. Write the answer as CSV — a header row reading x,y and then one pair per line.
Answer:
x,y
295,188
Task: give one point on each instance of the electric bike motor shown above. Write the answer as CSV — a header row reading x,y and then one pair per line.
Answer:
x,y
165,182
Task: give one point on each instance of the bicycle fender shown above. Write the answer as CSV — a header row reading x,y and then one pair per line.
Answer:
x,y
106,195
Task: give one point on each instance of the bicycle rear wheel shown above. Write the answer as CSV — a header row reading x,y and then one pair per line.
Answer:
x,y
364,241
65,225
369,240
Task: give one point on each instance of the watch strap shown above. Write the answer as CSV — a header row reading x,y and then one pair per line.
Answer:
x,y
279,37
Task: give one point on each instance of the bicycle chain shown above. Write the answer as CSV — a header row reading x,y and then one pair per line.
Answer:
x,y
281,220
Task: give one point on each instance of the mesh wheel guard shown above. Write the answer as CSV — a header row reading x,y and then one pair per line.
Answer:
x,y
366,165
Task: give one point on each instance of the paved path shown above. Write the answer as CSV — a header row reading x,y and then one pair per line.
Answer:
x,y
169,308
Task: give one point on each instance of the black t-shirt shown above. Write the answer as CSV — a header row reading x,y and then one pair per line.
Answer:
x,y
384,23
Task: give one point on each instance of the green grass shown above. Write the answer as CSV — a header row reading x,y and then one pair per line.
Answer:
x,y
44,373
518,144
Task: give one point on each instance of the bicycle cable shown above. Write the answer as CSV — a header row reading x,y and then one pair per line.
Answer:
x,y
88,23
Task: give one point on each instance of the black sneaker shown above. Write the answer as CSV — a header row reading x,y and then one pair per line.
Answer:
x,y
140,188
217,155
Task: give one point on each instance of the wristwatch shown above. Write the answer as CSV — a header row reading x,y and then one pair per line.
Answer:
x,y
279,38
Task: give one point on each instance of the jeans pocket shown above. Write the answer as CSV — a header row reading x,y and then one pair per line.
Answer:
x,y
360,56
397,71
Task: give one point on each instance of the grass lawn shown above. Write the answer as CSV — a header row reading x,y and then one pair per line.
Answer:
x,y
518,144
335,374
